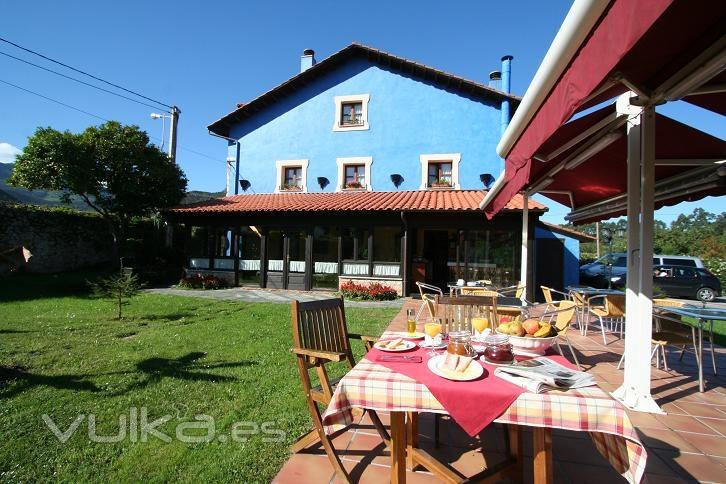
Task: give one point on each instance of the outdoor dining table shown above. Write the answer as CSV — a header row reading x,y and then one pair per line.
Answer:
x,y
701,315
373,385
594,291
455,289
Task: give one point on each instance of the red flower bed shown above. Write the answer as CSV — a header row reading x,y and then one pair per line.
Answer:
x,y
372,292
199,281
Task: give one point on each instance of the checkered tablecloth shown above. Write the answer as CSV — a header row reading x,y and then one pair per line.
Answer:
x,y
373,386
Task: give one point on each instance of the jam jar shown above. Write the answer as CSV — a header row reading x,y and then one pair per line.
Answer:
x,y
497,349
460,343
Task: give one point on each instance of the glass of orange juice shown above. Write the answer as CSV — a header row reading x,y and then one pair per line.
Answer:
x,y
433,334
479,323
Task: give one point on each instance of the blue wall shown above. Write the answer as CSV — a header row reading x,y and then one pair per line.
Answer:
x,y
571,268
407,118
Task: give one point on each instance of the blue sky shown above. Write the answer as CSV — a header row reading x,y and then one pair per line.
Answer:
x,y
206,56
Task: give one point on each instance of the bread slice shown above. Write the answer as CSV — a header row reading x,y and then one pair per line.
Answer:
x,y
463,363
394,343
450,362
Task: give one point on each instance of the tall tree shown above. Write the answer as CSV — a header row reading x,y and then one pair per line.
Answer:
x,y
112,167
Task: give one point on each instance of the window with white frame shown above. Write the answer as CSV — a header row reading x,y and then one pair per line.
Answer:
x,y
354,173
291,176
351,112
440,171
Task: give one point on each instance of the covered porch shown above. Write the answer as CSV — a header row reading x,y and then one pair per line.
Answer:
x,y
319,241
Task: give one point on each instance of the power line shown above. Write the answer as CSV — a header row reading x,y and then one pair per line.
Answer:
x,y
101,118
78,80
83,72
54,100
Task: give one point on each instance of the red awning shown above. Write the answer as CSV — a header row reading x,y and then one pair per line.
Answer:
x,y
636,45
603,176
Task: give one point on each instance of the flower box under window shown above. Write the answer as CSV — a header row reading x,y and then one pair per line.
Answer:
x,y
290,188
354,186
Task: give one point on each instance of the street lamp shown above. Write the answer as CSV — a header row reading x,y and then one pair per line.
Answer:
x,y
607,237
173,120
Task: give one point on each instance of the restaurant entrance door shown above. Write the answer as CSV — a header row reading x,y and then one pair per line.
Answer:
x,y
435,253
286,259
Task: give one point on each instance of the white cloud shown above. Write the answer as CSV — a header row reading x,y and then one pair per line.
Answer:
x,y
8,152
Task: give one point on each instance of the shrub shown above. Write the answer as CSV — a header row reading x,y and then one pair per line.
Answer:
x,y
717,266
373,292
199,281
118,287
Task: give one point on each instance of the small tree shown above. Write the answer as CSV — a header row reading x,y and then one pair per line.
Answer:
x,y
119,287
113,168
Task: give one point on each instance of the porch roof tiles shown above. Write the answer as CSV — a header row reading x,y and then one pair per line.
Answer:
x,y
409,201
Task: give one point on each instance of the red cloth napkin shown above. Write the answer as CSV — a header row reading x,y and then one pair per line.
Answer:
x,y
472,404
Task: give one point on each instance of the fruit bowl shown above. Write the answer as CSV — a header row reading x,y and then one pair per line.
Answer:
x,y
522,345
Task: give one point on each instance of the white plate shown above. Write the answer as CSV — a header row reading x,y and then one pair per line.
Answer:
x,y
473,371
407,345
407,335
439,346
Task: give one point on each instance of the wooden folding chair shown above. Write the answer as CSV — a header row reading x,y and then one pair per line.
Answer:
x,y
320,336
456,312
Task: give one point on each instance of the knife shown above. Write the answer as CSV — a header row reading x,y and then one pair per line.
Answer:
x,y
401,358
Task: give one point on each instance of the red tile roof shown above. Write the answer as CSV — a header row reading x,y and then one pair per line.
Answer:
x,y
410,201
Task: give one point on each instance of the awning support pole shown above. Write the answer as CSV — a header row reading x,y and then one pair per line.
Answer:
x,y
525,244
634,393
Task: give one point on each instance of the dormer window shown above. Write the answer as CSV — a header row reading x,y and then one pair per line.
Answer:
x,y
354,173
351,112
291,176
440,171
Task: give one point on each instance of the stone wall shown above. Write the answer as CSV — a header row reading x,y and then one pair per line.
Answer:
x,y
59,239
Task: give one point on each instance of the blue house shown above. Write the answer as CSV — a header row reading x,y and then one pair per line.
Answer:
x,y
365,167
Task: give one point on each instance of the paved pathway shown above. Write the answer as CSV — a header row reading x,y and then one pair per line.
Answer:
x,y
279,296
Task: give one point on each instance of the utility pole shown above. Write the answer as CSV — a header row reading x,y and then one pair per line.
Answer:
x,y
175,112
597,240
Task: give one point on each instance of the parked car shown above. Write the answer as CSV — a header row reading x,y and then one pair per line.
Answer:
x,y
597,272
682,281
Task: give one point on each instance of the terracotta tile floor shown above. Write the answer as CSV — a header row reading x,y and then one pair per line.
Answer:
x,y
687,444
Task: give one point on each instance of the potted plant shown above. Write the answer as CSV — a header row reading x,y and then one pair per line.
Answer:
x,y
441,183
353,185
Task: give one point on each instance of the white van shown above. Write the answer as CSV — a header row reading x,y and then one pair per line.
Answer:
x,y
619,263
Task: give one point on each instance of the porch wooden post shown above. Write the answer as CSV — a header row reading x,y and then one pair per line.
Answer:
x,y
309,264
405,255
263,257
212,242
235,249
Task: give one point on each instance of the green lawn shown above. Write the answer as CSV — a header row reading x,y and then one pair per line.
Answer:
x,y
62,355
